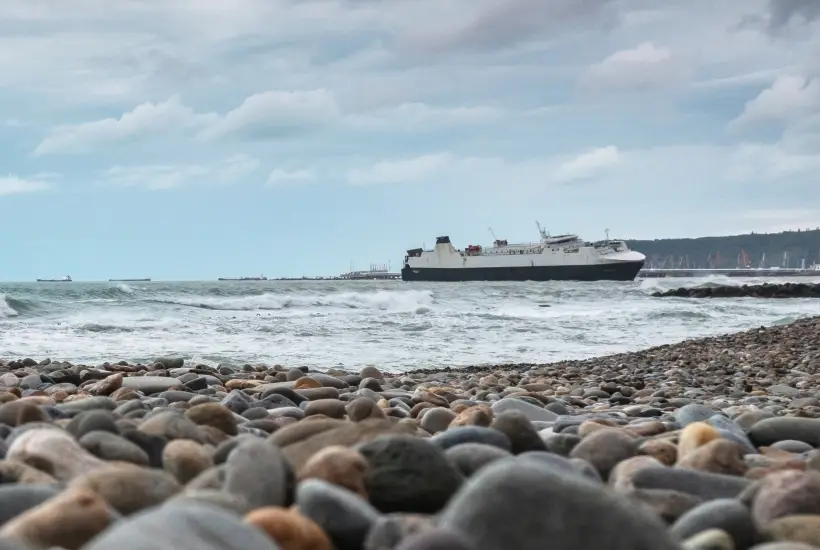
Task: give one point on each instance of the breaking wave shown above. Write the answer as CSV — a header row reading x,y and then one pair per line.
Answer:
x,y
383,300
15,307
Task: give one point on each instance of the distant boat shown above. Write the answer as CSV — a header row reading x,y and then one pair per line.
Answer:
x,y
130,280
259,278
66,279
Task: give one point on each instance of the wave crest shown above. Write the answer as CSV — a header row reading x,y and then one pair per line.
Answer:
x,y
14,307
383,300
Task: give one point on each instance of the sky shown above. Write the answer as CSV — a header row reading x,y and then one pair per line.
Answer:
x,y
192,139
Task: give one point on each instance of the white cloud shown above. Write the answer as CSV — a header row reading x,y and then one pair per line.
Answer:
x,y
646,66
407,170
235,168
279,177
789,98
423,117
262,116
230,170
146,119
155,176
784,12
770,162
588,165
13,185
803,136
276,114
497,24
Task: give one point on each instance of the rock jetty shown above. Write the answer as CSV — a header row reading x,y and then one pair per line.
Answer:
x,y
706,444
765,290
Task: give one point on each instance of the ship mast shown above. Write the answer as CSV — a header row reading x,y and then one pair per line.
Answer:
x,y
543,232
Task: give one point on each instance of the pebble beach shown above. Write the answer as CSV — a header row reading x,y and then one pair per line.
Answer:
x,y
706,444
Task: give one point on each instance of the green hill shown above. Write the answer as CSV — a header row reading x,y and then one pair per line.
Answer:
x,y
731,251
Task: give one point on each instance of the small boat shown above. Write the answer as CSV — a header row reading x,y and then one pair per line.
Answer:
x,y
259,278
66,279
146,280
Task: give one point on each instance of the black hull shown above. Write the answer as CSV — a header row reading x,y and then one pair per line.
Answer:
x,y
622,271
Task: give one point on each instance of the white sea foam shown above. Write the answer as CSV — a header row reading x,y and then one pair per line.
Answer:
x,y
393,325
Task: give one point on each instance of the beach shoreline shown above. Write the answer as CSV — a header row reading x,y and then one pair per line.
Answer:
x,y
726,339
707,443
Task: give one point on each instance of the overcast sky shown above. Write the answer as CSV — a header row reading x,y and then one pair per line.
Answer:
x,y
191,139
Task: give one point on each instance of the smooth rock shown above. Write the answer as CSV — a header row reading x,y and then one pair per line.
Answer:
x,y
527,506
290,529
693,412
519,430
472,434
172,425
786,493
151,384
53,451
109,446
803,528
213,414
437,419
719,456
711,539
604,449
407,474
390,530
771,430
257,471
705,485
343,516
532,412
69,520
730,515
16,499
183,525
129,489
470,457
338,465
185,459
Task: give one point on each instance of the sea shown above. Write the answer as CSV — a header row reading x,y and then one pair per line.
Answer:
x,y
394,325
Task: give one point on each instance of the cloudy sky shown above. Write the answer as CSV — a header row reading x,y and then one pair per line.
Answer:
x,y
201,138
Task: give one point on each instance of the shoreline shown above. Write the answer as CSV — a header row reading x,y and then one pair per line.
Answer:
x,y
467,369
727,338
705,443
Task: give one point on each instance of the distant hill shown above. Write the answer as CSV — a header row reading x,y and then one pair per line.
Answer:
x,y
731,251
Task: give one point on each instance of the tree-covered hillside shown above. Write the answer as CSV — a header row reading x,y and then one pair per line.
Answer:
x,y
732,251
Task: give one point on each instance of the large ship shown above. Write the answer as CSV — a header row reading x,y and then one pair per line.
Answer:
x,y
66,279
553,258
259,278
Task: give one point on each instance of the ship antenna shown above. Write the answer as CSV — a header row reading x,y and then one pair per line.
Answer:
x,y
490,229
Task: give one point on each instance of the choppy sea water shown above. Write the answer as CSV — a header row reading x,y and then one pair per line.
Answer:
x,y
391,324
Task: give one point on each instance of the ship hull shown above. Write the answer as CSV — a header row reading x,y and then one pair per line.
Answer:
x,y
616,271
